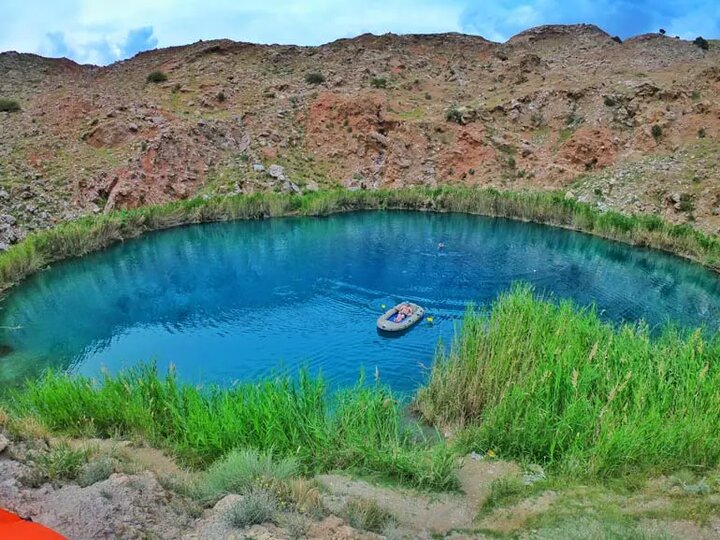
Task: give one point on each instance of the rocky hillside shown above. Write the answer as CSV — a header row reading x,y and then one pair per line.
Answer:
x,y
631,125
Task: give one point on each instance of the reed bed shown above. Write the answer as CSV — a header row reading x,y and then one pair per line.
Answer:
x,y
360,429
77,238
550,383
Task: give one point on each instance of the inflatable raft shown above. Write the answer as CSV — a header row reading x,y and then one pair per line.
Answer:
x,y
13,527
391,322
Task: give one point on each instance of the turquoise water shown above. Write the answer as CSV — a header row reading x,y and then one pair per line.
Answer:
x,y
239,301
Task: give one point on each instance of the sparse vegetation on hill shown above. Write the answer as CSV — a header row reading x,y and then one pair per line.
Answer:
x,y
314,78
9,105
156,77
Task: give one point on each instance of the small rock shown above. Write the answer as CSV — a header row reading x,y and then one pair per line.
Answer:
x,y
258,167
312,185
378,137
133,127
276,171
291,186
4,443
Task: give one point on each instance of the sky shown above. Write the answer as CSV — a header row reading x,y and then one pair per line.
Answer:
x,y
104,31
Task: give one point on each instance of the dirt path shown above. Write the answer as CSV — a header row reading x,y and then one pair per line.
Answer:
x,y
423,513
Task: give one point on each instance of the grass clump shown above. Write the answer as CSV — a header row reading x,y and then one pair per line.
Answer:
x,y
255,507
9,105
156,77
240,470
368,515
360,428
549,383
379,82
96,470
504,491
61,462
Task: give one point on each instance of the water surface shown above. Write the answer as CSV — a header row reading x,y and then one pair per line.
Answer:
x,y
239,301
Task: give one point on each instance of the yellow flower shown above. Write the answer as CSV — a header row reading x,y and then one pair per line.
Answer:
x,y
490,453
429,319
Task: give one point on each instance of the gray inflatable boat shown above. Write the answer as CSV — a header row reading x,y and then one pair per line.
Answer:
x,y
389,321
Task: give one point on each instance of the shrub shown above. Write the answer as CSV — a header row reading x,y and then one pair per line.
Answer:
x,y
537,120
454,114
686,203
701,133
96,471
695,95
368,515
657,132
221,96
256,507
617,39
156,77
314,78
296,525
9,105
702,43
609,101
379,82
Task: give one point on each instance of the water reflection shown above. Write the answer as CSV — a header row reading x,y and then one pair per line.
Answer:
x,y
233,301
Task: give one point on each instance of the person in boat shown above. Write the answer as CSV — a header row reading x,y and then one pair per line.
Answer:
x,y
403,311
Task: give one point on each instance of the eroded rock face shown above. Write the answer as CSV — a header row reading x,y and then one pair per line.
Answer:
x,y
552,105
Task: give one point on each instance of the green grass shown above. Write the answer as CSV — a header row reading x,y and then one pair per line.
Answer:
x,y
91,233
61,463
546,382
359,429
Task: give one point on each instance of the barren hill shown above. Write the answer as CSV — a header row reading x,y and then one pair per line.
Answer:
x,y
632,125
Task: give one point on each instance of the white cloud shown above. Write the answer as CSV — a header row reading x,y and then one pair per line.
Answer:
x,y
95,31
98,30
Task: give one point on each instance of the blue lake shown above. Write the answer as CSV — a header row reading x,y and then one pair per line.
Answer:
x,y
243,300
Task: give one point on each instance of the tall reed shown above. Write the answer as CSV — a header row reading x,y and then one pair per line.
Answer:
x,y
360,428
551,383
91,233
